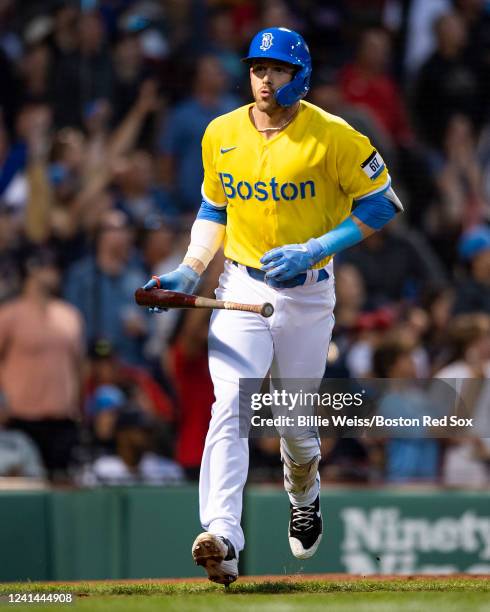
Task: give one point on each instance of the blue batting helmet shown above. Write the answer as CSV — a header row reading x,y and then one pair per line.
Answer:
x,y
286,46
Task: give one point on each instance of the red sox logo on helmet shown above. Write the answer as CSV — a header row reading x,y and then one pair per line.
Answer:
x,y
267,39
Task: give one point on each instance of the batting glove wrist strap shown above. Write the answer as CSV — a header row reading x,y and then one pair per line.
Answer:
x,y
315,249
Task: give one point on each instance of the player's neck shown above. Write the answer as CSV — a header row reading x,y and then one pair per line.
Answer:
x,y
270,124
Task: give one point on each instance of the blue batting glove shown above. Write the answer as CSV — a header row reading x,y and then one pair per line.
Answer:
x,y
284,263
184,279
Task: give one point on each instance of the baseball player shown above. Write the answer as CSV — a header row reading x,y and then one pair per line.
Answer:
x,y
281,177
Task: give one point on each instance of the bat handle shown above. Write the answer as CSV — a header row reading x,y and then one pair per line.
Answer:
x,y
266,309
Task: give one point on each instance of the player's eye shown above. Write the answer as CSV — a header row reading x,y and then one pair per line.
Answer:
x,y
259,71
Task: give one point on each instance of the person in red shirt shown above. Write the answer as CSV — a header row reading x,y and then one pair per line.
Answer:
x,y
367,83
188,363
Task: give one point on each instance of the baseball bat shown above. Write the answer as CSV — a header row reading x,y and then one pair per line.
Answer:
x,y
163,298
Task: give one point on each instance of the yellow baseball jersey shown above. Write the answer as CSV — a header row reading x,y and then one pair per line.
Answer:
x,y
297,185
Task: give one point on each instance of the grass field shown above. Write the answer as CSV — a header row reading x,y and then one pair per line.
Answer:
x,y
295,594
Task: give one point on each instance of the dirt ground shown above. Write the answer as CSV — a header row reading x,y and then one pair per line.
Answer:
x,y
293,578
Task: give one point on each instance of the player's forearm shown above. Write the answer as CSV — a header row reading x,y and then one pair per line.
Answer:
x,y
371,214
206,238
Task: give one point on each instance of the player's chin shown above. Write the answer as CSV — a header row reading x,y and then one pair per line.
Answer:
x,y
266,105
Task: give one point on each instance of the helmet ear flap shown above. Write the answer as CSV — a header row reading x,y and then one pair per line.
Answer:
x,y
296,89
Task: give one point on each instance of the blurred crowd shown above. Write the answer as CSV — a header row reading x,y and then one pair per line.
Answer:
x,y
103,104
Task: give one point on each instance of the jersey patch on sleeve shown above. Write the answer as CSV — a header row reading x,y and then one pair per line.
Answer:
x,y
373,166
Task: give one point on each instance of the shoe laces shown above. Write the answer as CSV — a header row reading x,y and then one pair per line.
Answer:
x,y
302,518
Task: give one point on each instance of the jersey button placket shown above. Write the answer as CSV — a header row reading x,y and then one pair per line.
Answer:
x,y
266,174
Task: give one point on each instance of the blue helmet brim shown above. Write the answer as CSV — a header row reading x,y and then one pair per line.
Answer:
x,y
267,55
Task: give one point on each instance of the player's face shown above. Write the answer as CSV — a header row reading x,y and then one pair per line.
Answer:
x,y
266,77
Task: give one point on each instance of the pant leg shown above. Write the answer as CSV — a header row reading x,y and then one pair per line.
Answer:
x,y
240,346
301,340
55,440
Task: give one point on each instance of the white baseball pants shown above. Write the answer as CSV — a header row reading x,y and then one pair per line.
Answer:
x,y
293,343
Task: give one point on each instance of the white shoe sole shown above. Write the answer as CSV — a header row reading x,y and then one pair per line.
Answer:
x,y
301,553
209,551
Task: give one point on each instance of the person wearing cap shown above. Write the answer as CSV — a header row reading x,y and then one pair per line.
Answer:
x,y
280,179
473,293
181,132
102,286
133,461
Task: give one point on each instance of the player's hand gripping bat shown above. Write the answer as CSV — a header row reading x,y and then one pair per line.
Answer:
x,y
162,298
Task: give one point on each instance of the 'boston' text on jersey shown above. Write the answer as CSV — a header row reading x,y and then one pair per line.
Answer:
x,y
263,191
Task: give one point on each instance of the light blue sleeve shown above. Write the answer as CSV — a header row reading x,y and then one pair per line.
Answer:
x,y
212,213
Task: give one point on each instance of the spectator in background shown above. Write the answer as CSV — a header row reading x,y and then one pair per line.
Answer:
x,y
67,102
437,301
162,248
446,84
65,36
82,68
159,242
129,385
225,44
420,36
138,195
30,118
467,460
351,296
411,328
41,343
133,462
369,330
130,73
182,132
19,456
102,409
348,460
367,83
414,457
277,12
82,169
476,17
469,339
473,293
102,286
327,94
394,265
458,177
35,73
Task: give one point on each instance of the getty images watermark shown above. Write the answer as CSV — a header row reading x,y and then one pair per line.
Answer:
x,y
364,407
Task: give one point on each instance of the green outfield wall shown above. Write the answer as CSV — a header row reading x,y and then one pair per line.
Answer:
x,y
144,532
